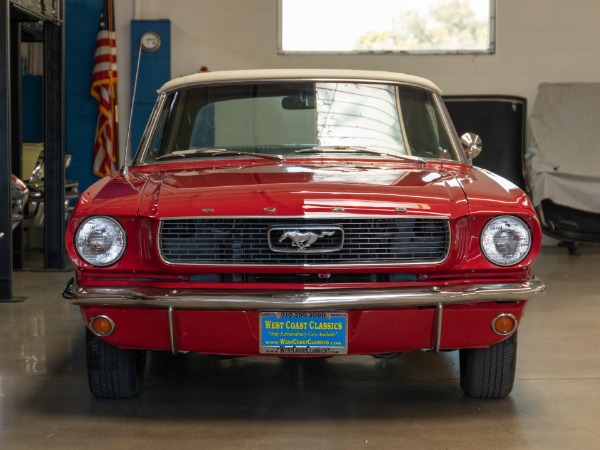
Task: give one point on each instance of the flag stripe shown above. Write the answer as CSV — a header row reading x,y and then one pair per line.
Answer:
x,y
104,89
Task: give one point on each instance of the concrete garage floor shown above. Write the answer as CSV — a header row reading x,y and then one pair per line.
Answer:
x,y
410,402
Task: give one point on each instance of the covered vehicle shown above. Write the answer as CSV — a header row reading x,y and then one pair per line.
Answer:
x,y
564,184
34,211
19,194
309,213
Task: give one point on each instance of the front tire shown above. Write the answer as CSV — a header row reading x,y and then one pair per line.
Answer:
x,y
489,372
113,372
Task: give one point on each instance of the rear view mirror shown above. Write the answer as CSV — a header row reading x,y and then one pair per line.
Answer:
x,y
471,143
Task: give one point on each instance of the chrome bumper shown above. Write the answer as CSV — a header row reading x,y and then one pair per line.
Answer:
x,y
303,300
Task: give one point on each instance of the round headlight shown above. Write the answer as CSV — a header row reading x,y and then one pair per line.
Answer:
x,y
505,240
100,241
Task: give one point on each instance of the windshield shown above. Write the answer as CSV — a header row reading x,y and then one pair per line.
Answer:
x,y
296,119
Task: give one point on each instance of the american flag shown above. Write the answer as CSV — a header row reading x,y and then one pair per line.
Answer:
x,y
104,89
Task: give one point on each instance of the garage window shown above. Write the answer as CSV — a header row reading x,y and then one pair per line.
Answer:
x,y
387,26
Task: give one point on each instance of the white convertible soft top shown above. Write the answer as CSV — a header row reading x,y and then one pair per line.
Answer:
x,y
295,74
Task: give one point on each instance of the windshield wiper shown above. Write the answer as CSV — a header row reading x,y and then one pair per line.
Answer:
x,y
216,152
354,149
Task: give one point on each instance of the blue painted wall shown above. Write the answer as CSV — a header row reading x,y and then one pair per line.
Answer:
x,y
81,25
32,108
154,71
81,109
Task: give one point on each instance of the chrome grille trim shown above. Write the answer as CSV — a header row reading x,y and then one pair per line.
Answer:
x,y
243,241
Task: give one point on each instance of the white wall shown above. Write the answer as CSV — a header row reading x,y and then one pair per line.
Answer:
x,y
536,41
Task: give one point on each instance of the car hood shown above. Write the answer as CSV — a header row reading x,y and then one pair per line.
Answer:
x,y
302,190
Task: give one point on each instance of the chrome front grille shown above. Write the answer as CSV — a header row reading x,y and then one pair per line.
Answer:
x,y
245,241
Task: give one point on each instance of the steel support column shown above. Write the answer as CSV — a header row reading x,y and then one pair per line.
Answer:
x,y
54,148
5,155
16,129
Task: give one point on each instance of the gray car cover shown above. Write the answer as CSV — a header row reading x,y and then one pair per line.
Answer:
x,y
563,161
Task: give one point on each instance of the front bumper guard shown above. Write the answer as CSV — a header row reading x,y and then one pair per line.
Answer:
x,y
318,299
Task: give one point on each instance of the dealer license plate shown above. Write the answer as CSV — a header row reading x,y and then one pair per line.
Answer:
x,y
304,333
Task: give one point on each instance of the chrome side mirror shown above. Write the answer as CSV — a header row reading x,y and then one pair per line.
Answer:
x,y
471,143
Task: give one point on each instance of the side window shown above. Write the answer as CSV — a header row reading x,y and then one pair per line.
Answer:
x,y
423,126
158,142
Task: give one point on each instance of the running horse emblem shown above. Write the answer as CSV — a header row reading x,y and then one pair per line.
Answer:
x,y
304,239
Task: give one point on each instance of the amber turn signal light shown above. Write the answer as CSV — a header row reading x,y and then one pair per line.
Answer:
x,y
504,324
101,325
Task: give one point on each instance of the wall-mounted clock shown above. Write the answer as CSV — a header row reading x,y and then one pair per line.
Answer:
x,y
150,41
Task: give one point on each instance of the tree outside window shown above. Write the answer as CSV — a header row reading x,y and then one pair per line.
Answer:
x,y
382,26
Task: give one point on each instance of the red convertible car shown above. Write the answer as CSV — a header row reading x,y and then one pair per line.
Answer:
x,y
302,213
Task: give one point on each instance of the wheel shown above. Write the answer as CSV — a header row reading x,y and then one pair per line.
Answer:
x,y
489,372
113,372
